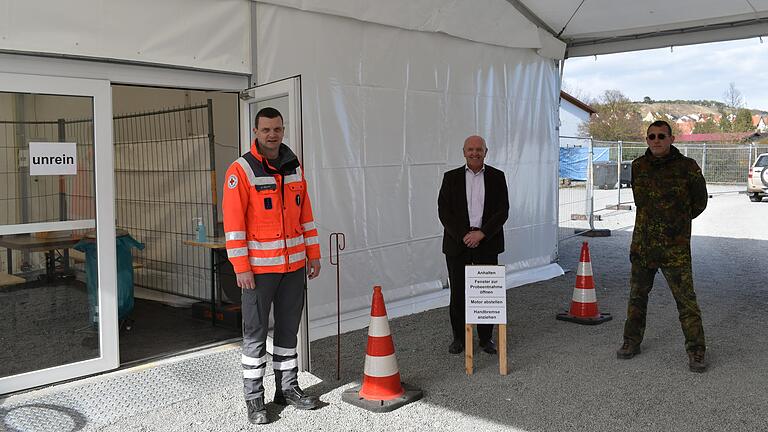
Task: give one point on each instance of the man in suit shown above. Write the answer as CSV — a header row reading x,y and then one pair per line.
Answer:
x,y
473,205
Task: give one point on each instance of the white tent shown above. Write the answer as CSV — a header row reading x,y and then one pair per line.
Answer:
x,y
388,99
390,91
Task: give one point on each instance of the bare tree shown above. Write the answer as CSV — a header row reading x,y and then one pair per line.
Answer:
x,y
732,97
577,92
617,118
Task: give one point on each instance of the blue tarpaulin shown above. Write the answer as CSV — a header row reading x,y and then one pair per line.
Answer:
x,y
573,161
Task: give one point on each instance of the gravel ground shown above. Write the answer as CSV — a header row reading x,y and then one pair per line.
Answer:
x,y
563,376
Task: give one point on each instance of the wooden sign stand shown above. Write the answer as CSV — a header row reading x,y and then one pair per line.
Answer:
x,y
468,346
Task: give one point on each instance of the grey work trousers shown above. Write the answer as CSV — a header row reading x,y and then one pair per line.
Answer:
x,y
286,292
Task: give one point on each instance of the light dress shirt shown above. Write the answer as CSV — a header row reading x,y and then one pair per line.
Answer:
x,y
475,196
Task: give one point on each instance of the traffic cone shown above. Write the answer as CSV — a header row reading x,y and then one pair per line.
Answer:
x,y
584,308
381,390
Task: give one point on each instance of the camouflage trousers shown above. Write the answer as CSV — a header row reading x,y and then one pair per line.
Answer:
x,y
680,280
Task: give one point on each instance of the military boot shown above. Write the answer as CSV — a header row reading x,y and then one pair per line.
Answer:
x,y
627,351
257,412
696,361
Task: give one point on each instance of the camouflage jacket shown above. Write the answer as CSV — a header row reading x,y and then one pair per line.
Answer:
x,y
669,192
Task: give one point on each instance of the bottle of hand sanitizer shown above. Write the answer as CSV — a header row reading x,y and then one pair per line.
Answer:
x,y
200,230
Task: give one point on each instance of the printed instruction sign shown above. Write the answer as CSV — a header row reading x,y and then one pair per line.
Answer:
x,y
485,295
49,158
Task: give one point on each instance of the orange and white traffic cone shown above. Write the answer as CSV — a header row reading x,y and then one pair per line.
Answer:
x,y
381,390
584,308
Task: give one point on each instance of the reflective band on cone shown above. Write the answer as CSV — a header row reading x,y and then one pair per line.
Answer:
x,y
584,295
584,268
381,366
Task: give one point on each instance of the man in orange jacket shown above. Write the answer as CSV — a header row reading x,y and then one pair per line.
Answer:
x,y
272,244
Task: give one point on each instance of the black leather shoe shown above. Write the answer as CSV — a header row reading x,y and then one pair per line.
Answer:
x,y
296,397
488,346
456,347
257,412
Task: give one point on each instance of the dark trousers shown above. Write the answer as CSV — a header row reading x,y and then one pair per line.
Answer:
x,y
456,279
680,280
286,292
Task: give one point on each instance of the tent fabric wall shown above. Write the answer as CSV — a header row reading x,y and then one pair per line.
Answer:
x,y
200,34
386,112
494,22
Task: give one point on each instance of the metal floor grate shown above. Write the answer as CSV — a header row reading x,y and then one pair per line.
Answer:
x,y
104,399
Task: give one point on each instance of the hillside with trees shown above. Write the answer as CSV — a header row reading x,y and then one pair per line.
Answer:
x,y
618,118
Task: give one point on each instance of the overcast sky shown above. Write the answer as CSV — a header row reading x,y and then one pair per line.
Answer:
x,y
687,72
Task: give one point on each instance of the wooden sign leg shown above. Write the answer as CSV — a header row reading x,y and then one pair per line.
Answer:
x,y
468,348
503,349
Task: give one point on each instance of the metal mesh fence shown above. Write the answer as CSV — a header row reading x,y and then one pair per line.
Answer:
x,y
725,164
574,203
164,178
595,176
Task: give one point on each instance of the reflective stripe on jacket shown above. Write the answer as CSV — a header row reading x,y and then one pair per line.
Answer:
x,y
268,222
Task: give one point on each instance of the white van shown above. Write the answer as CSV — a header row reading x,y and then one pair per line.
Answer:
x,y
757,180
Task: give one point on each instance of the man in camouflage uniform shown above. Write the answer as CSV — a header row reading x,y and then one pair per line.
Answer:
x,y
669,191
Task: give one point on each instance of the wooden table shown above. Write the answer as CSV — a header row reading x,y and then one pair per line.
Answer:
x,y
29,243
213,244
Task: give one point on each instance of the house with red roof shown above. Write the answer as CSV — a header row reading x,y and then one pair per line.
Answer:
x,y
760,122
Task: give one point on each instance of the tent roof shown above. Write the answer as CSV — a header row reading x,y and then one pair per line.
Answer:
x,y
582,27
607,26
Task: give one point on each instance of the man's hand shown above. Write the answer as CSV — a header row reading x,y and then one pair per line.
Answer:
x,y
473,238
313,268
245,280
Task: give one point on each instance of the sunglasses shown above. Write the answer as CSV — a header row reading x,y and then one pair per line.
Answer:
x,y
653,136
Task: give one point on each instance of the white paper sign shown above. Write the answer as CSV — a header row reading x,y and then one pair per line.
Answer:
x,y
47,158
485,295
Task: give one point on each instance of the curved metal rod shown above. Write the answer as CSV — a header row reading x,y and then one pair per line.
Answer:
x,y
334,247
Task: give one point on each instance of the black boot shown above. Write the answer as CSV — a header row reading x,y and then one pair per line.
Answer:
x,y
295,396
257,412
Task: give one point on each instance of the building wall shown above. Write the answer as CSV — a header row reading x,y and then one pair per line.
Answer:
x,y
571,117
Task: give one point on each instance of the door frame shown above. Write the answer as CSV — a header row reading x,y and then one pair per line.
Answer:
x,y
291,88
288,87
100,92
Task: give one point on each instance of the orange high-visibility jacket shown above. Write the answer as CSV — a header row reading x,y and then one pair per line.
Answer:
x,y
268,221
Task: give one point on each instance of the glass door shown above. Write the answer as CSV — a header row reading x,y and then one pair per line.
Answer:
x,y
285,96
58,304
